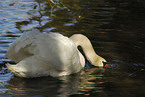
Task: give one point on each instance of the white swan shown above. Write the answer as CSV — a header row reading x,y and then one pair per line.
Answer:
x,y
50,54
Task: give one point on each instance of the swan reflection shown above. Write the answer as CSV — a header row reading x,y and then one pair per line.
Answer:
x,y
79,83
59,87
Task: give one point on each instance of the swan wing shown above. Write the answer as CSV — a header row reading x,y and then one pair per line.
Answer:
x,y
18,50
58,51
53,49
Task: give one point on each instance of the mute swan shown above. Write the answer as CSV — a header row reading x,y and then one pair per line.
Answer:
x,y
50,54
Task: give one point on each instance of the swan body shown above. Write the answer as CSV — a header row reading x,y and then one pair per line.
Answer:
x,y
50,54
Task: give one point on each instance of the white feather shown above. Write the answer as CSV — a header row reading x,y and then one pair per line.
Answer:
x,y
43,54
40,50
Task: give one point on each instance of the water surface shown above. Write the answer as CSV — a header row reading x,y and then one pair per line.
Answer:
x,y
115,28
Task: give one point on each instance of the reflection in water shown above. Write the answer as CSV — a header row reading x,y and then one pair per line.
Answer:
x,y
91,80
115,28
56,87
47,86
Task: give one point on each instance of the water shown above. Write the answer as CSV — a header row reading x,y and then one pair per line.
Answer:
x,y
115,28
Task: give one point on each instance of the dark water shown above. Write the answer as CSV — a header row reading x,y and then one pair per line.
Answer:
x,y
116,29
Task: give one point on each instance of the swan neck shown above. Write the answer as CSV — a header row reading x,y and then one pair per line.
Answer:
x,y
84,42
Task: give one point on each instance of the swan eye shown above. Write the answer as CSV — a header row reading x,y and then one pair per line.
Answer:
x,y
104,62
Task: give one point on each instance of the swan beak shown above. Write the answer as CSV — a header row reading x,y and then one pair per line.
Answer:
x,y
106,66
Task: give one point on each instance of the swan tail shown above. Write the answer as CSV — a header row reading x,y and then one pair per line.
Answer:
x,y
16,70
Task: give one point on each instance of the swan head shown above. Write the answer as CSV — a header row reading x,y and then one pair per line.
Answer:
x,y
99,62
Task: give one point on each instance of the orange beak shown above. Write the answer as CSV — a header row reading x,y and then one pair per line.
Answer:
x,y
106,66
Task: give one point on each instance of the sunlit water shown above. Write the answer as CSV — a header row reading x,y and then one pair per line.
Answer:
x,y
115,28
